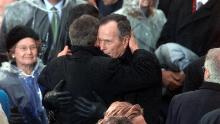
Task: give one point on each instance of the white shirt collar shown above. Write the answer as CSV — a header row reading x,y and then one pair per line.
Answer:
x,y
198,3
202,1
58,6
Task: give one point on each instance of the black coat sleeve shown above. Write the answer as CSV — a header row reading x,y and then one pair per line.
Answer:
x,y
172,117
52,73
143,72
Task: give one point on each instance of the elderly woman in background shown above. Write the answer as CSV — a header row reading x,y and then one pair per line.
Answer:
x,y
146,21
18,77
124,109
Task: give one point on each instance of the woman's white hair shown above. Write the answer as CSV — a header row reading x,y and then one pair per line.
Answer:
x,y
212,63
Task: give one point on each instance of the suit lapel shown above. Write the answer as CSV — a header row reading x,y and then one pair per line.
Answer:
x,y
186,13
63,23
41,16
203,12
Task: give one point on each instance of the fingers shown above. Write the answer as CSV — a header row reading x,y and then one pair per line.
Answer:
x,y
179,77
83,108
84,102
174,84
172,80
65,100
176,75
59,85
63,94
69,52
65,51
66,48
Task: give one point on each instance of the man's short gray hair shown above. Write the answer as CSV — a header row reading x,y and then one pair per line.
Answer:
x,y
83,31
212,63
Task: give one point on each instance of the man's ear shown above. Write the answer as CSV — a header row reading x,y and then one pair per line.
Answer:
x,y
206,73
125,41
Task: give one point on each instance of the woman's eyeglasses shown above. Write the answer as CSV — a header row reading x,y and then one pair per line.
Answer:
x,y
25,48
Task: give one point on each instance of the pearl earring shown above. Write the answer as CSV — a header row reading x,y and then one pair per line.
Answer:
x,y
13,56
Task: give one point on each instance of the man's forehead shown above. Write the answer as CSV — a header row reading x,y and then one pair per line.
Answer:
x,y
109,24
109,27
106,35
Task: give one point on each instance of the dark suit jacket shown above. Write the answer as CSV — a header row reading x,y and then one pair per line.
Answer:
x,y
212,117
164,5
41,24
189,107
194,75
148,98
197,31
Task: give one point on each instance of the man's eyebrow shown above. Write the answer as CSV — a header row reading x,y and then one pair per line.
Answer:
x,y
103,39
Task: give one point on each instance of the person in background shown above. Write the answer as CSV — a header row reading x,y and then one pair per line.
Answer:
x,y
185,37
164,5
3,4
76,12
124,109
106,7
38,15
18,77
11,17
146,21
49,21
189,107
212,117
187,25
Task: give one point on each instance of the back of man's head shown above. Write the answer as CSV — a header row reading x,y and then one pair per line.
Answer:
x,y
212,64
80,10
124,26
83,31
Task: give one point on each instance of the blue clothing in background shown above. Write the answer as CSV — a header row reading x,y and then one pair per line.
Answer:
x,y
24,91
106,10
4,100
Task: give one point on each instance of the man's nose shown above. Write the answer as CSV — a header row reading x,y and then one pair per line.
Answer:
x,y
101,45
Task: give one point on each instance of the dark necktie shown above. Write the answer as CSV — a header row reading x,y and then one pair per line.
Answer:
x,y
55,23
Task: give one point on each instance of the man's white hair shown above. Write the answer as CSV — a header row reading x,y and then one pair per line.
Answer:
x,y
212,63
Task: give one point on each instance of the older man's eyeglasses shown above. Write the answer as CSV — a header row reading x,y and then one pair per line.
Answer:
x,y
25,48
